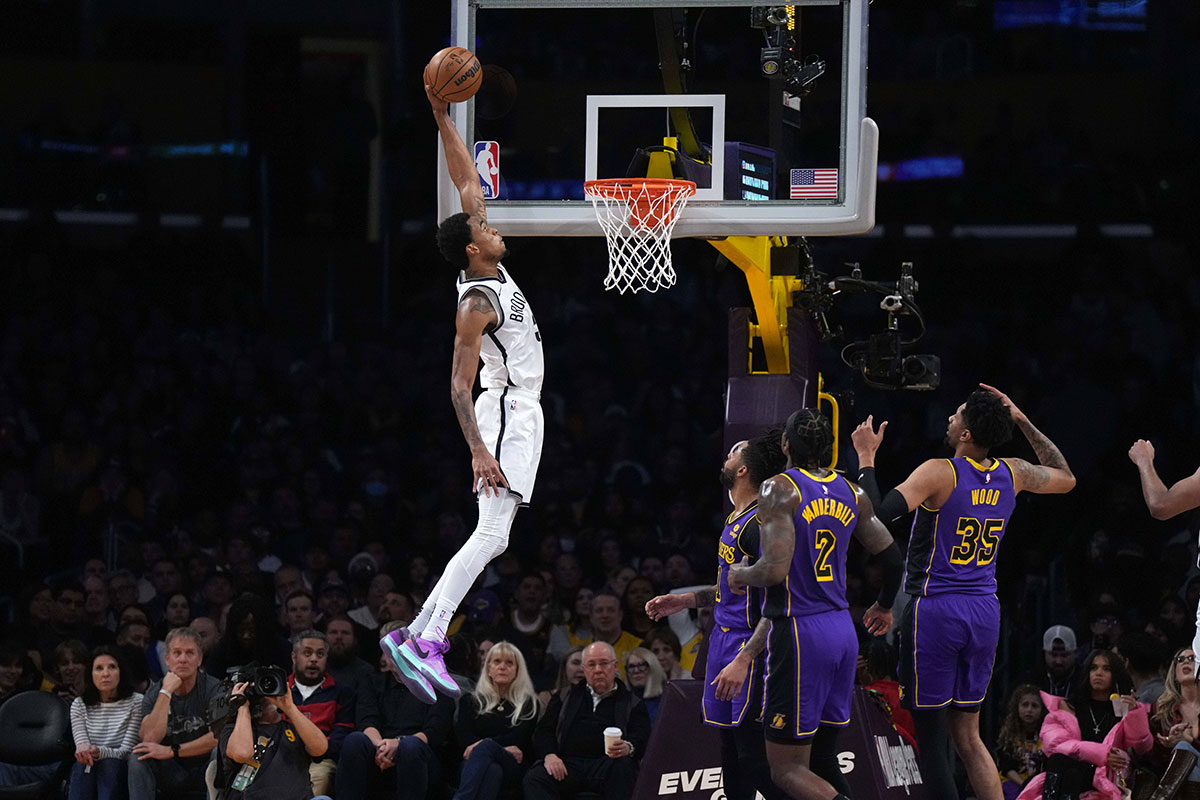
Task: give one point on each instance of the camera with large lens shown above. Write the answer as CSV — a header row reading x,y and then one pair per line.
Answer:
x,y
265,681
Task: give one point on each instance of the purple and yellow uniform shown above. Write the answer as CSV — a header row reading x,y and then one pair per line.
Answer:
x,y
812,649
950,629
734,619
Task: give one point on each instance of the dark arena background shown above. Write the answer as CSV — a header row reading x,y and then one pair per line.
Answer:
x,y
226,336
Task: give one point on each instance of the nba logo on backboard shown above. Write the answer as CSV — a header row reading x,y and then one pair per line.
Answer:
x,y
487,162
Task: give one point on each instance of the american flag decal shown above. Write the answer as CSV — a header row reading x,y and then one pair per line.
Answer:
x,y
808,183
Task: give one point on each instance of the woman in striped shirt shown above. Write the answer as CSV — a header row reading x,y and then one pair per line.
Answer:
x,y
105,722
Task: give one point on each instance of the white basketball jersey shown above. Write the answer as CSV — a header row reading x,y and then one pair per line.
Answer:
x,y
512,351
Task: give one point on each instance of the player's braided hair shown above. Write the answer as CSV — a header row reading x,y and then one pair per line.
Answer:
x,y
763,457
988,419
810,438
453,236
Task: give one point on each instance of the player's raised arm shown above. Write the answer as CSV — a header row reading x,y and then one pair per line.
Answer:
x,y
1051,475
777,504
1163,503
458,158
875,538
475,316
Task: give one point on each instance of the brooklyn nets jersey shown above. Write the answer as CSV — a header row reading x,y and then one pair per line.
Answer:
x,y
512,351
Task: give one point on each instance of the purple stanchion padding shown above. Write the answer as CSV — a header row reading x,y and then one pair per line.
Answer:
x,y
683,758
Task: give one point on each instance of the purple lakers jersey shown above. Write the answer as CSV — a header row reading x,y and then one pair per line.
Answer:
x,y
740,538
824,522
953,548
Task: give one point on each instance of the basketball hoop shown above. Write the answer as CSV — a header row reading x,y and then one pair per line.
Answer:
x,y
638,215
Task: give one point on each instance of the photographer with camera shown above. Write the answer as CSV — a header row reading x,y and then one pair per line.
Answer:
x,y
175,739
263,754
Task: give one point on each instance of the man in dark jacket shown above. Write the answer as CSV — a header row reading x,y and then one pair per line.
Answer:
x,y
399,733
570,737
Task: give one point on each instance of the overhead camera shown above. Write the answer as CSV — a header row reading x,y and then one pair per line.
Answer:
x,y
883,359
778,58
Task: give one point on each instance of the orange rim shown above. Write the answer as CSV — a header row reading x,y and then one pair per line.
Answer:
x,y
623,188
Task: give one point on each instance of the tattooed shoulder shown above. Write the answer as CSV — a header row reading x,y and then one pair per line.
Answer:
x,y
1032,476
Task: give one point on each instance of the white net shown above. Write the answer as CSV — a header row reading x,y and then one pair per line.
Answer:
x,y
637,216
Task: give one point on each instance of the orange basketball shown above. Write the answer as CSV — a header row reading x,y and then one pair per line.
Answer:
x,y
454,73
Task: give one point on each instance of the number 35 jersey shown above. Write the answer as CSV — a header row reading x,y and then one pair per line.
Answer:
x,y
824,522
954,548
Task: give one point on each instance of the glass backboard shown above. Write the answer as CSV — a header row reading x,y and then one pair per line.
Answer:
x,y
764,107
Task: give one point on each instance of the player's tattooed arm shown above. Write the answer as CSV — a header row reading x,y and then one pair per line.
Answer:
x,y
1052,474
777,503
757,640
706,598
475,316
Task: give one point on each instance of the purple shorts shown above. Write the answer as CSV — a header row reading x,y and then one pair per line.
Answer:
x,y
947,650
723,646
810,675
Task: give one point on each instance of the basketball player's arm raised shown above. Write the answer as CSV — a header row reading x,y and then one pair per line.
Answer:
x,y
1050,475
459,162
875,538
777,504
1163,503
475,315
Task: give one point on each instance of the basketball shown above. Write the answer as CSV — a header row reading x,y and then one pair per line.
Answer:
x,y
454,73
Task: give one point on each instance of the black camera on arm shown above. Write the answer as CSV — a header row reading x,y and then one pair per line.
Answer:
x,y
264,681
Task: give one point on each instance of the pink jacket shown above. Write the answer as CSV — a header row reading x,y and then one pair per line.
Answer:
x,y
1060,734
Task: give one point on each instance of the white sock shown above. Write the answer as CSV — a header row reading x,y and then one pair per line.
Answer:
x,y
488,541
421,621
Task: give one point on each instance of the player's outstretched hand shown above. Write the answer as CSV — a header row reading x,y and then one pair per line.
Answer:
x,y
438,104
1142,452
1016,413
877,620
731,679
866,439
665,605
488,477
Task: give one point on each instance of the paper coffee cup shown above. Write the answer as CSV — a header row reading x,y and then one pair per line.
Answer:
x,y
611,737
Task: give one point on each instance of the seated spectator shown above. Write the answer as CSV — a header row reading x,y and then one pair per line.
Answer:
x,y
273,742
134,643
1144,659
665,645
606,627
1056,673
570,736
206,633
177,613
343,662
251,635
1087,745
876,673
495,724
122,589
577,630
637,593
619,580
366,615
18,673
570,672
1176,725
105,722
646,678
71,660
96,607
175,741
287,580
298,612
333,600
1019,753
528,627
400,732
329,705
167,579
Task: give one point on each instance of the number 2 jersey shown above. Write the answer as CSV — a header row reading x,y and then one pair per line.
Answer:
x,y
824,522
954,548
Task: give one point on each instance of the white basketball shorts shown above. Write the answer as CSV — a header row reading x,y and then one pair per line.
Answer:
x,y
511,424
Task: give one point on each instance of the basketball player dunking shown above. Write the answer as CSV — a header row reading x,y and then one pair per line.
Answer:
x,y
503,428
950,629
734,673
806,517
